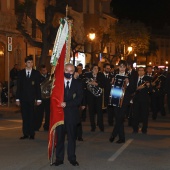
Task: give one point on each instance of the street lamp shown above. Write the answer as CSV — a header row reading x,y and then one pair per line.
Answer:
x,y
92,36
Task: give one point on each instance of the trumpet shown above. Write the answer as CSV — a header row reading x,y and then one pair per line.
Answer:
x,y
157,82
95,90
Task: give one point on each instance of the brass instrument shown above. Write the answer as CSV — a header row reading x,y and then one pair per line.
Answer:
x,y
157,82
95,90
46,86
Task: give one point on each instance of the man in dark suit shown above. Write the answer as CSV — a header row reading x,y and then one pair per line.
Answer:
x,y
28,91
73,94
132,73
94,102
120,111
108,77
43,110
141,101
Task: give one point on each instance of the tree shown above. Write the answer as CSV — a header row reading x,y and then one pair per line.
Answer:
x,y
134,34
53,10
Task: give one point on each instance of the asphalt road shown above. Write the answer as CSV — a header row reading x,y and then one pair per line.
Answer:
x,y
140,152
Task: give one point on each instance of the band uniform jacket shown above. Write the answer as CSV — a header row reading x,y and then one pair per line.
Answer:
x,y
28,89
73,101
107,87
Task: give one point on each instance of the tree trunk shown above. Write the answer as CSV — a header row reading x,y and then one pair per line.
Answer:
x,y
44,55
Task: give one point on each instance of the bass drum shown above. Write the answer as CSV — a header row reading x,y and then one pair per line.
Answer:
x,y
117,91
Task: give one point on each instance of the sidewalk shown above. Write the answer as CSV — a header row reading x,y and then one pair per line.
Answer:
x,y
12,111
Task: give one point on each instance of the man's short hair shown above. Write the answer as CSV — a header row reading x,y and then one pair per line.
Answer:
x,y
122,62
106,64
42,66
141,67
87,66
69,64
80,64
29,58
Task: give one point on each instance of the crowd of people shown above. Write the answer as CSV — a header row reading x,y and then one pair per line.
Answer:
x,y
143,91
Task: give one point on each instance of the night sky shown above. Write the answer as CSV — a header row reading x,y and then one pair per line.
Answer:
x,y
154,13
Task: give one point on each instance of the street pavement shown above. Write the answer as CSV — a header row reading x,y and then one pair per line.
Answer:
x,y
149,151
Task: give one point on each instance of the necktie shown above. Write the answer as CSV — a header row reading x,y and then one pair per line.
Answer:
x,y
67,88
106,75
28,74
140,82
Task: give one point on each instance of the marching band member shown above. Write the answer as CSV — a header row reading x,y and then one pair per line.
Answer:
x,y
108,77
121,111
158,93
141,101
95,102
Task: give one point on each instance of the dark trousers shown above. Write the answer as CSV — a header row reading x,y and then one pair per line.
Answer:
x,y
71,136
119,123
157,104
168,102
110,113
95,106
140,114
27,112
79,130
42,110
83,114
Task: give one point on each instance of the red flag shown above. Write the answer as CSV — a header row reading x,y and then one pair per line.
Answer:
x,y
57,96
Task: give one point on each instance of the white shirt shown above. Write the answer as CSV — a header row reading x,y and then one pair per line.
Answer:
x,y
122,74
28,71
140,78
66,80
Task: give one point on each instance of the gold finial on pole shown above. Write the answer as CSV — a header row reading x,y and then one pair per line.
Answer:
x,y
66,11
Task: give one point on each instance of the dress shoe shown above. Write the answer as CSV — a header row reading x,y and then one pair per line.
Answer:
x,y
135,132
102,129
110,124
24,137
31,137
74,163
111,139
144,131
93,129
120,141
58,162
80,139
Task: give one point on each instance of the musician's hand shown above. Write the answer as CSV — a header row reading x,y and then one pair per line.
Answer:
x,y
18,103
112,81
76,75
140,87
158,86
38,103
83,107
148,84
126,81
94,83
63,104
153,83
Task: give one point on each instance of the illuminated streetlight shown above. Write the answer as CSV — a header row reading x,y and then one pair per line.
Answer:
x,y
92,36
129,49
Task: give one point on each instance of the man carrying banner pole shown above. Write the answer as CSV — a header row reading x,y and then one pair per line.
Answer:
x,y
64,101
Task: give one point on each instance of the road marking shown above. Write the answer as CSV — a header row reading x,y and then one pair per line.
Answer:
x,y
119,151
4,128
